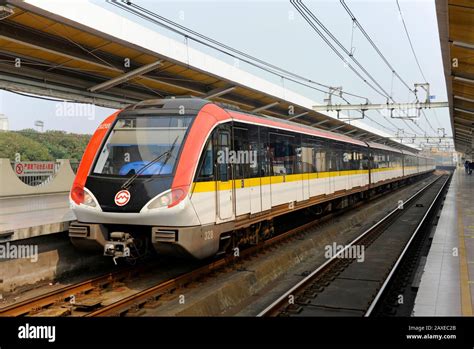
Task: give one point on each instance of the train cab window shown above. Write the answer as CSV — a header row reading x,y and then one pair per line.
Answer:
x,y
206,170
137,145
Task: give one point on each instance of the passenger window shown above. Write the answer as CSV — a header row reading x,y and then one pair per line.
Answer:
x,y
308,155
283,154
223,149
264,154
244,157
254,148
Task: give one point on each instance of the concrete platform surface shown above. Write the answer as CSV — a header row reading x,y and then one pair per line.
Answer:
x,y
447,283
28,216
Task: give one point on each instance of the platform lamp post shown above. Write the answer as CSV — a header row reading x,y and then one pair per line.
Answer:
x,y
40,125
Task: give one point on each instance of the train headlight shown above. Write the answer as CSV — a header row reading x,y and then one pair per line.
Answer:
x,y
89,199
169,198
81,195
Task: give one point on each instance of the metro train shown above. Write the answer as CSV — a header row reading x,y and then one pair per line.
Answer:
x,y
186,176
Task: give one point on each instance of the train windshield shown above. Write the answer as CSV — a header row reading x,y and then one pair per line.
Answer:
x,y
140,145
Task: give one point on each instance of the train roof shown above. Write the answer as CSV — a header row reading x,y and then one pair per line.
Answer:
x,y
384,147
195,104
288,125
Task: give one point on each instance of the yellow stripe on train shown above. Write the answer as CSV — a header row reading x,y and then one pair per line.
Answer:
x,y
199,187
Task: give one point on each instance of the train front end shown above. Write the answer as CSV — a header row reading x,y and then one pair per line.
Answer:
x,y
131,188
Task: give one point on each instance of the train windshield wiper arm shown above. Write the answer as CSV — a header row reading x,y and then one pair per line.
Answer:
x,y
167,153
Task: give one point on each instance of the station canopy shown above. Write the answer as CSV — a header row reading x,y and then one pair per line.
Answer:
x,y
456,32
81,52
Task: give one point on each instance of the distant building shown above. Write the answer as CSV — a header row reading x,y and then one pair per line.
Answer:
x,y
3,123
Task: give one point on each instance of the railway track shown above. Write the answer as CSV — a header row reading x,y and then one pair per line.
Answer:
x,y
153,296
60,301
344,287
85,298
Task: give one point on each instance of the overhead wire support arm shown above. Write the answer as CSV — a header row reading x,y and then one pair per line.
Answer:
x,y
421,137
365,107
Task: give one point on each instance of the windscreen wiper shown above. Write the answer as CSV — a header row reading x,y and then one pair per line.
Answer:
x,y
167,153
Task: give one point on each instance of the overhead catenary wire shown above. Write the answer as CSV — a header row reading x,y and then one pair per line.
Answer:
x,y
170,24
214,44
221,47
189,31
305,12
410,42
302,9
372,43
416,60
394,72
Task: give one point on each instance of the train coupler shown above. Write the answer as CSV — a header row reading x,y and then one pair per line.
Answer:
x,y
118,246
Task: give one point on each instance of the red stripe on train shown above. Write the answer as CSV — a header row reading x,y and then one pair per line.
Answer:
x,y
204,122
77,191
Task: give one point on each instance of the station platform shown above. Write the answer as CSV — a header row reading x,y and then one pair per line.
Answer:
x,y
447,283
33,215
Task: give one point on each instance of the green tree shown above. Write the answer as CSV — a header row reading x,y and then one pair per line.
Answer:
x,y
49,145
12,143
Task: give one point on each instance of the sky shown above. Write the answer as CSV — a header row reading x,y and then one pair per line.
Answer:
x,y
275,32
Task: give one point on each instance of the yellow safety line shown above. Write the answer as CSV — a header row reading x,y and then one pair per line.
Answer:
x,y
466,304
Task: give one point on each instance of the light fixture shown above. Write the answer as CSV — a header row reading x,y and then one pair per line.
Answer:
x,y
458,78
5,12
464,99
464,110
463,44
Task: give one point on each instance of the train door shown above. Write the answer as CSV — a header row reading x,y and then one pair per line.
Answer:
x,y
224,187
371,166
305,183
241,164
265,169
256,170
305,162
332,170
